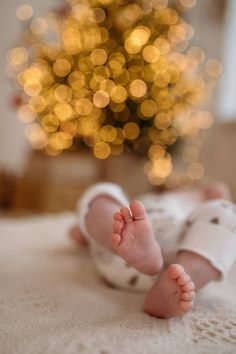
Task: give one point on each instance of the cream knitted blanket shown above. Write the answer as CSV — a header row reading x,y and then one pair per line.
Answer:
x,y
52,301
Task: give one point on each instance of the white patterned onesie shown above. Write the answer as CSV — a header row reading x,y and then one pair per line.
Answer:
x,y
208,229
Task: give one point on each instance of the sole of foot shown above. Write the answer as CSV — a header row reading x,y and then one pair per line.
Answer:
x,y
172,295
134,241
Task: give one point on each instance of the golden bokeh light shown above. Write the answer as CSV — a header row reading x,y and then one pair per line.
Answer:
x,y
156,152
98,56
151,53
61,67
17,56
32,87
76,80
118,94
83,106
50,123
99,14
25,114
162,120
24,12
115,75
138,88
148,108
36,135
176,34
132,12
102,150
37,104
188,3
39,26
214,68
131,131
61,141
159,168
101,99
63,111
108,133
137,38
195,170
63,93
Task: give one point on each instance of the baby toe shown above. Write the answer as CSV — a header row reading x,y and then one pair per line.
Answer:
x,y
183,279
115,239
125,212
117,227
189,286
186,305
188,296
175,270
118,217
138,210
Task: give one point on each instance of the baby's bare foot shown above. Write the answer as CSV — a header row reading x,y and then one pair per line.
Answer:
x,y
172,295
216,190
134,241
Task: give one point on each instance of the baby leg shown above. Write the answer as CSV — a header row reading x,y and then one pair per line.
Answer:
x,y
119,258
206,254
99,220
95,212
130,235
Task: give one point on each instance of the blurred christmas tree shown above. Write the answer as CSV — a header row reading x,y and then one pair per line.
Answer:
x,y
113,75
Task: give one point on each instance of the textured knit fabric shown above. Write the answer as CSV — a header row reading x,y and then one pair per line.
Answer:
x,y
53,301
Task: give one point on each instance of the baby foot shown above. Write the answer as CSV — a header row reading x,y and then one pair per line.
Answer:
x,y
172,295
216,190
134,241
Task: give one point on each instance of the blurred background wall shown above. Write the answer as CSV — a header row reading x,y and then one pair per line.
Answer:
x,y
207,18
214,22
13,145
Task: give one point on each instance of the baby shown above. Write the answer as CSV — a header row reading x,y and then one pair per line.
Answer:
x,y
169,245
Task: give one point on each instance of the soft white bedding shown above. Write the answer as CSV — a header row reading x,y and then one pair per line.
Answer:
x,y
52,301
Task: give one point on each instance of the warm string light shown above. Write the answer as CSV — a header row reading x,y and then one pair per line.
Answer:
x,y
114,75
